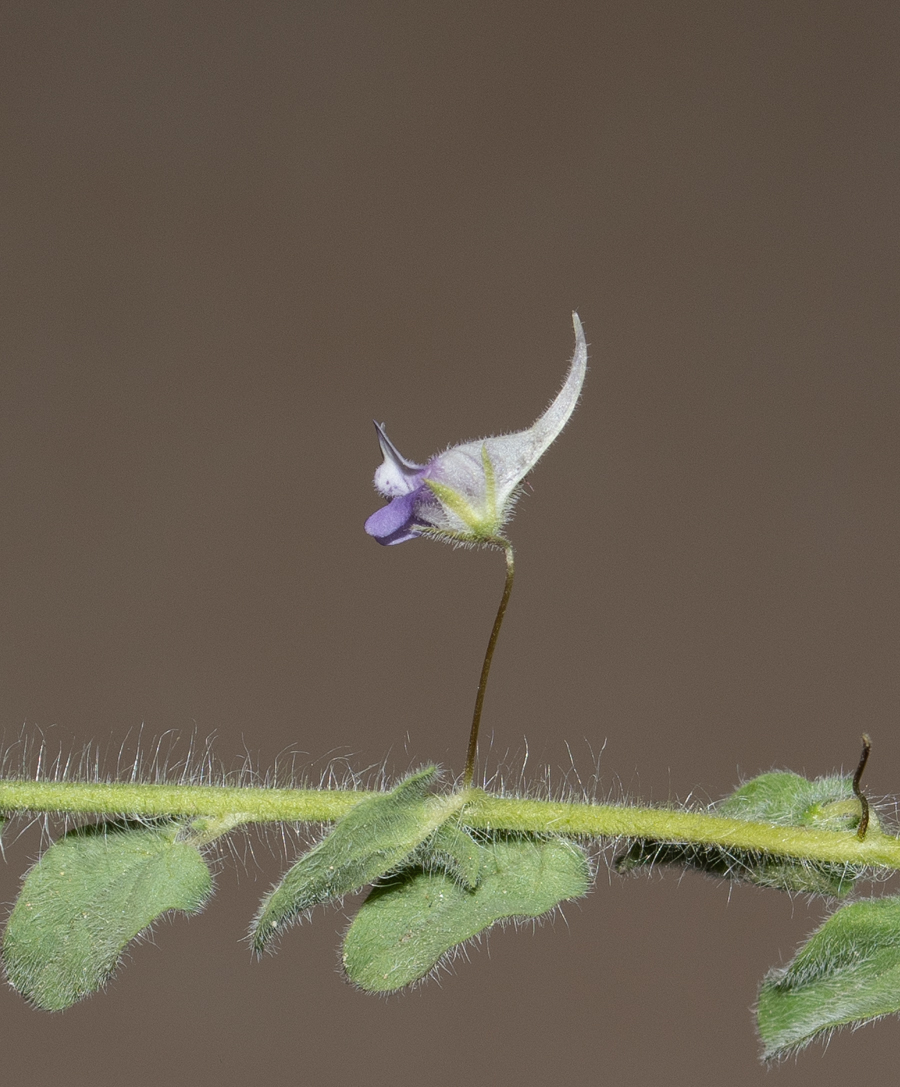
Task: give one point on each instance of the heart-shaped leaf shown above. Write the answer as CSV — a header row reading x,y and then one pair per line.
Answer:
x,y
405,926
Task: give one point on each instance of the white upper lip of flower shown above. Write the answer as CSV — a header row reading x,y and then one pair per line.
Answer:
x,y
395,475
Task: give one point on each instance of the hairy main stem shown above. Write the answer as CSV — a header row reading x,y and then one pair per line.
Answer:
x,y
488,657
233,806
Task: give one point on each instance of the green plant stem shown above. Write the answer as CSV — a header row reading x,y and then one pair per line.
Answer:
x,y
472,751
238,806
254,805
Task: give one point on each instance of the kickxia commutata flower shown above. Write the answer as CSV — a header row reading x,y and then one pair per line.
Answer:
x,y
467,493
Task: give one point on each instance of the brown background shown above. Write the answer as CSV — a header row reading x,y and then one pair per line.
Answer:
x,y
232,234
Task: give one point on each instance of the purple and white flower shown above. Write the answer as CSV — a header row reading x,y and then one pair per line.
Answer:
x,y
467,493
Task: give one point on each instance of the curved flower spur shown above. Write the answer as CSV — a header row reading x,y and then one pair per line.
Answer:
x,y
466,495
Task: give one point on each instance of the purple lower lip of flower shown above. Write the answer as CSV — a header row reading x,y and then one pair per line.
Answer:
x,y
396,522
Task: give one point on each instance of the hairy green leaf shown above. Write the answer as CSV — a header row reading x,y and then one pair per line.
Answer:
x,y
787,799
847,973
90,894
782,799
453,848
374,837
404,927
